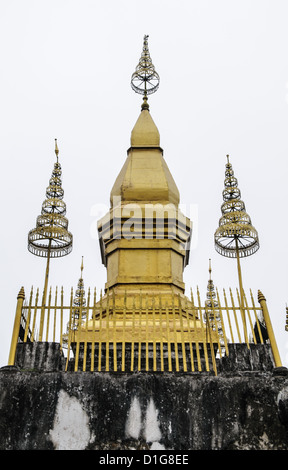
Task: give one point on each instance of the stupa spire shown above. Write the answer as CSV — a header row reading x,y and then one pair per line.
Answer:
x,y
56,150
145,80
235,237
150,181
79,311
212,313
51,238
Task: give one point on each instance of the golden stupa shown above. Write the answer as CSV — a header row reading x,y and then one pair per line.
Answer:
x,y
145,243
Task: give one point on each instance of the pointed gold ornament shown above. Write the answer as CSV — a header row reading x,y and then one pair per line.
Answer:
x,y
51,238
212,312
235,237
79,303
145,80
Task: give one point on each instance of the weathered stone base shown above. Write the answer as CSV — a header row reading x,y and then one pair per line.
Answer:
x,y
236,410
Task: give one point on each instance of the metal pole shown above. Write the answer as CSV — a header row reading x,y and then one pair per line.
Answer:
x,y
16,328
242,310
271,336
45,292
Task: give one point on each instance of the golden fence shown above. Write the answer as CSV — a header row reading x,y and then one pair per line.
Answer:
x,y
140,334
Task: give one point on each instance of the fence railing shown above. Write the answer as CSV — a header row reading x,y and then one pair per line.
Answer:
x,y
142,333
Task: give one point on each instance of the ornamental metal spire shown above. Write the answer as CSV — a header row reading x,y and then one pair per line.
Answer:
x,y
212,313
235,237
79,311
50,238
145,80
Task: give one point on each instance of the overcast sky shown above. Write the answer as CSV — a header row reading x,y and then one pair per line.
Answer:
x,y
65,73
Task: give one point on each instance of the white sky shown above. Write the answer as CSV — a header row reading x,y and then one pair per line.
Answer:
x,y
65,72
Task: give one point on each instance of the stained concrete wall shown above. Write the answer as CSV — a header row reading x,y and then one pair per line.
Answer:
x,y
237,409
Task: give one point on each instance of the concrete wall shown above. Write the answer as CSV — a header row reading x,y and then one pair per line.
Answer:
x,y
53,409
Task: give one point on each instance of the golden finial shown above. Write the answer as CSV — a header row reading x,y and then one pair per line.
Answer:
x,y
212,314
56,149
21,293
45,240
51,238
210,269
79,311
235,235
227,158
145,80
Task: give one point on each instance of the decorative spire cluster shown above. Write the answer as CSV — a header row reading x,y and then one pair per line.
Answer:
x,y
145,80
79,312
51,238
235,235
212,314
